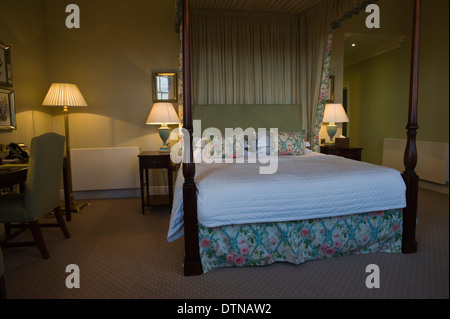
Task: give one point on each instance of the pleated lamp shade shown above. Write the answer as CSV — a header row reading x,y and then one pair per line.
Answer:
x,y
335,113
64,94
163,113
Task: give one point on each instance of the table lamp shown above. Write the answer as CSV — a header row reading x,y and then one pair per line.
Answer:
x,y
334,113
163,114
66,95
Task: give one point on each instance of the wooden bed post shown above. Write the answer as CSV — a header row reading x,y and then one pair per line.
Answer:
x,y
410,160
192,265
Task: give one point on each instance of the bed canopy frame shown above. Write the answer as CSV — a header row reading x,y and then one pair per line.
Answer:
x,y
192,263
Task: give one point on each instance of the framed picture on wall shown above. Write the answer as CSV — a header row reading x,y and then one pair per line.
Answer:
x,y
7,110
5,65
330,95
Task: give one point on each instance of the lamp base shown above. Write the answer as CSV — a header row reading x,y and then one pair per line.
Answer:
x,y
331,130
164,132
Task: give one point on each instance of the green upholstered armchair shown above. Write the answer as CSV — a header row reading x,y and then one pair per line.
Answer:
x,y
2,277
41,194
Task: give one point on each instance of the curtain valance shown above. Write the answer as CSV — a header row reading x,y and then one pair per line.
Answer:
x,y
342,9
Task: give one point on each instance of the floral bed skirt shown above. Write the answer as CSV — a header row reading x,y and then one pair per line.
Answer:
x,y
300,241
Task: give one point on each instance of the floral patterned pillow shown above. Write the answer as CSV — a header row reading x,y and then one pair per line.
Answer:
x,y
291,143
226,146
233,146
214,149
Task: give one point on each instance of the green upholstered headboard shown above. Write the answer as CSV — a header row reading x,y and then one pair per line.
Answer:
x,y
284,117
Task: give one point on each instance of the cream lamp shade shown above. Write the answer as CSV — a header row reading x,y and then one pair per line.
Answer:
x,y
334,113
64,94
163,114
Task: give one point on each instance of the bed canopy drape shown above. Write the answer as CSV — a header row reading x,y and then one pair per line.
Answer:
x,y
320,18
247,57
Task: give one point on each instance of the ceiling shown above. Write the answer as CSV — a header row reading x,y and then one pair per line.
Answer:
x,y
286,6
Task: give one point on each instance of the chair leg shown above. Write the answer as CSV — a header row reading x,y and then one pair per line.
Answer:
x,y
2,287
7,229
37,235
61,222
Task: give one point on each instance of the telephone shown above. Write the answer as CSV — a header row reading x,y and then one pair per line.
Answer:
x,y
19,151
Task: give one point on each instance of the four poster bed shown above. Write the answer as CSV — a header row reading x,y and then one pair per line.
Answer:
x,y
232,215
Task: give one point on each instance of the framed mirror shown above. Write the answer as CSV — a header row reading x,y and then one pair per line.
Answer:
x,y
164,87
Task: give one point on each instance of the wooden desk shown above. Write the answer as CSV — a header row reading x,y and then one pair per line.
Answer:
x,y
154,160
13,175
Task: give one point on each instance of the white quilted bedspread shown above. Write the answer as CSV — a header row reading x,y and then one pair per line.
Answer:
x,y
305,187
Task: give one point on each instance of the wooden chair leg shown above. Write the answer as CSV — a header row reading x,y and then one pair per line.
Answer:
x,y
61,222
37,235
2,287
7,229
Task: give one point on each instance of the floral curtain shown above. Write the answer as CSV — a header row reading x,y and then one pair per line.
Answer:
x,y
314,130
180,79
320,22
178,27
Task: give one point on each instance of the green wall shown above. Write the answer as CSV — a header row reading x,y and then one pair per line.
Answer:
x,y
111,58
23,28
284,117
379,92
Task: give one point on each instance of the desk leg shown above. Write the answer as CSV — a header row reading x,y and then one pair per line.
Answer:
x,y
141,178
170,187
147,187
67,190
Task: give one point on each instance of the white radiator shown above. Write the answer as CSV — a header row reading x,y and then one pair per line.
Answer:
x,y
105,168
432,159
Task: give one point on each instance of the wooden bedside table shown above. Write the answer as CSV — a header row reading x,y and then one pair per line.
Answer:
x,y
351,152
154,160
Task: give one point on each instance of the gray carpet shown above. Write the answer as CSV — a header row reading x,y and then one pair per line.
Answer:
x,y
123,254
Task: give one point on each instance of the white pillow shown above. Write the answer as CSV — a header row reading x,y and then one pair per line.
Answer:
x,y
262,141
